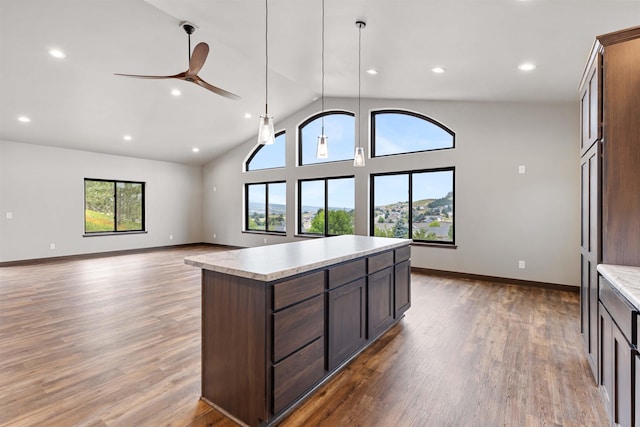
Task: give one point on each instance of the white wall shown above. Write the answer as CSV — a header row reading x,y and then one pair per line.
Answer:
x,y
501,216
43,188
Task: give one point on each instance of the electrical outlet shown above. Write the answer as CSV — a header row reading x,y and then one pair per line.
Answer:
x,y
521,169
9,215
170,236
215,189
52,246
265,240
521,264
214,235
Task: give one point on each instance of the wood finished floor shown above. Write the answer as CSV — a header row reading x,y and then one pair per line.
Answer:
x,y
115,341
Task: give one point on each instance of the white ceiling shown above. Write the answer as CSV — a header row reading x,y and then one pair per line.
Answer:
x,y
78,103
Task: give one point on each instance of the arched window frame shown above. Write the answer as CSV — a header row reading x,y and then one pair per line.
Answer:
x,y
319,116
413,114
257,150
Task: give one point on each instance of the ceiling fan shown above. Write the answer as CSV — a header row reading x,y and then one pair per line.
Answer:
x,y
196,61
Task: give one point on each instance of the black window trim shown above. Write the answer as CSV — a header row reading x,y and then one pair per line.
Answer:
x,y
266,208
260,147
326,203
408,113
313,118
115,232
438,243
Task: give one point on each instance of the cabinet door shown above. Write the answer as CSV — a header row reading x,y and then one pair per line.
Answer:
x,y
402,288
590,252
346,323
636,406
621,409
380,302
591,106
606,357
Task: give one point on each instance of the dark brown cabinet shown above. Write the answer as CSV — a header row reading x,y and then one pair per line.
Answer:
x,y
609,156
380,302
402,277
636,405
346,322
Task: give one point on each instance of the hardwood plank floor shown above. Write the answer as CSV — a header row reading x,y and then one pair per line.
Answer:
x,y
115,341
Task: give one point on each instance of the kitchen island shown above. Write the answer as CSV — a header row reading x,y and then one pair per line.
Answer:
x,y
280,320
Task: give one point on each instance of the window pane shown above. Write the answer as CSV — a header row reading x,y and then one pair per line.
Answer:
x,y
129,203
269,156
99,206
339,128
397,133
341,205
432,206
256,206
277,207
391,206
312,207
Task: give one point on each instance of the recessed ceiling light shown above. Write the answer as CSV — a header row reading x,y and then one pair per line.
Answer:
x,y
127,138
438,70
24,119
57,53
247,115
372,71
176,92
527,66
195,149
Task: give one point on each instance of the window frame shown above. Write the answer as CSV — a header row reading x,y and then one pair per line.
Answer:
x,y
260,147
407,113
266,208
319,116
410,173
115,231
326,203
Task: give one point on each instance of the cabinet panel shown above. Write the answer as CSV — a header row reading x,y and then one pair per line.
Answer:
x,y
378,262
296,326
402,300
297,373
346,323
621,409
591,106
606,356
636,406
347,272
379,302
622,313
298,289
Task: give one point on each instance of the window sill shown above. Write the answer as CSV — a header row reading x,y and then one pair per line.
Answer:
x,y
435,245
113,233
270,233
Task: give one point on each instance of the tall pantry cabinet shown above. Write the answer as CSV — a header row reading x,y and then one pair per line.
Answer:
x,y
609,169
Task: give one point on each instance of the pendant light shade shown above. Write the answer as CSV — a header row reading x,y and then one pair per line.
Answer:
x,y
322,150
266,134
358,156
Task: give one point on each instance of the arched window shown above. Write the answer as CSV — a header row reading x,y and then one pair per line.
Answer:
x,y
399,132
268,156
339,126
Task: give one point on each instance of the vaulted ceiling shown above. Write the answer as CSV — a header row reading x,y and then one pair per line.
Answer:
x,y
77,102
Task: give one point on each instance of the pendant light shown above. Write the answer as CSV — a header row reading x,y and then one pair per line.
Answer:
x,y
266,134
322,150
358,157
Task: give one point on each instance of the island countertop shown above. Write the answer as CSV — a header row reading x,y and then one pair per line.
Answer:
x,y
625,279
268,263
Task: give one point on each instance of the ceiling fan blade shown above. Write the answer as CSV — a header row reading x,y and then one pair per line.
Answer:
x,y
137,76
198,57
197,80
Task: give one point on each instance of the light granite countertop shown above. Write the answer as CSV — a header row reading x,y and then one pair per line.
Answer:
x,y
273,262
625,279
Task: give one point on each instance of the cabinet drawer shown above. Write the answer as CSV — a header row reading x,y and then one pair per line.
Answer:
x,y
347,272
620,310
296,290
380,261
297,326
403,253
297,373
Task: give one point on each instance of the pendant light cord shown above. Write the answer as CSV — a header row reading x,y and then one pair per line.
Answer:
x,y
359,77
266,56
322,93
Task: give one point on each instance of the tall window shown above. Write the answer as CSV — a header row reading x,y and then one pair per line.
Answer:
x,y
326,206
113,206
399,132
414,205
268,156
339,126
266,207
